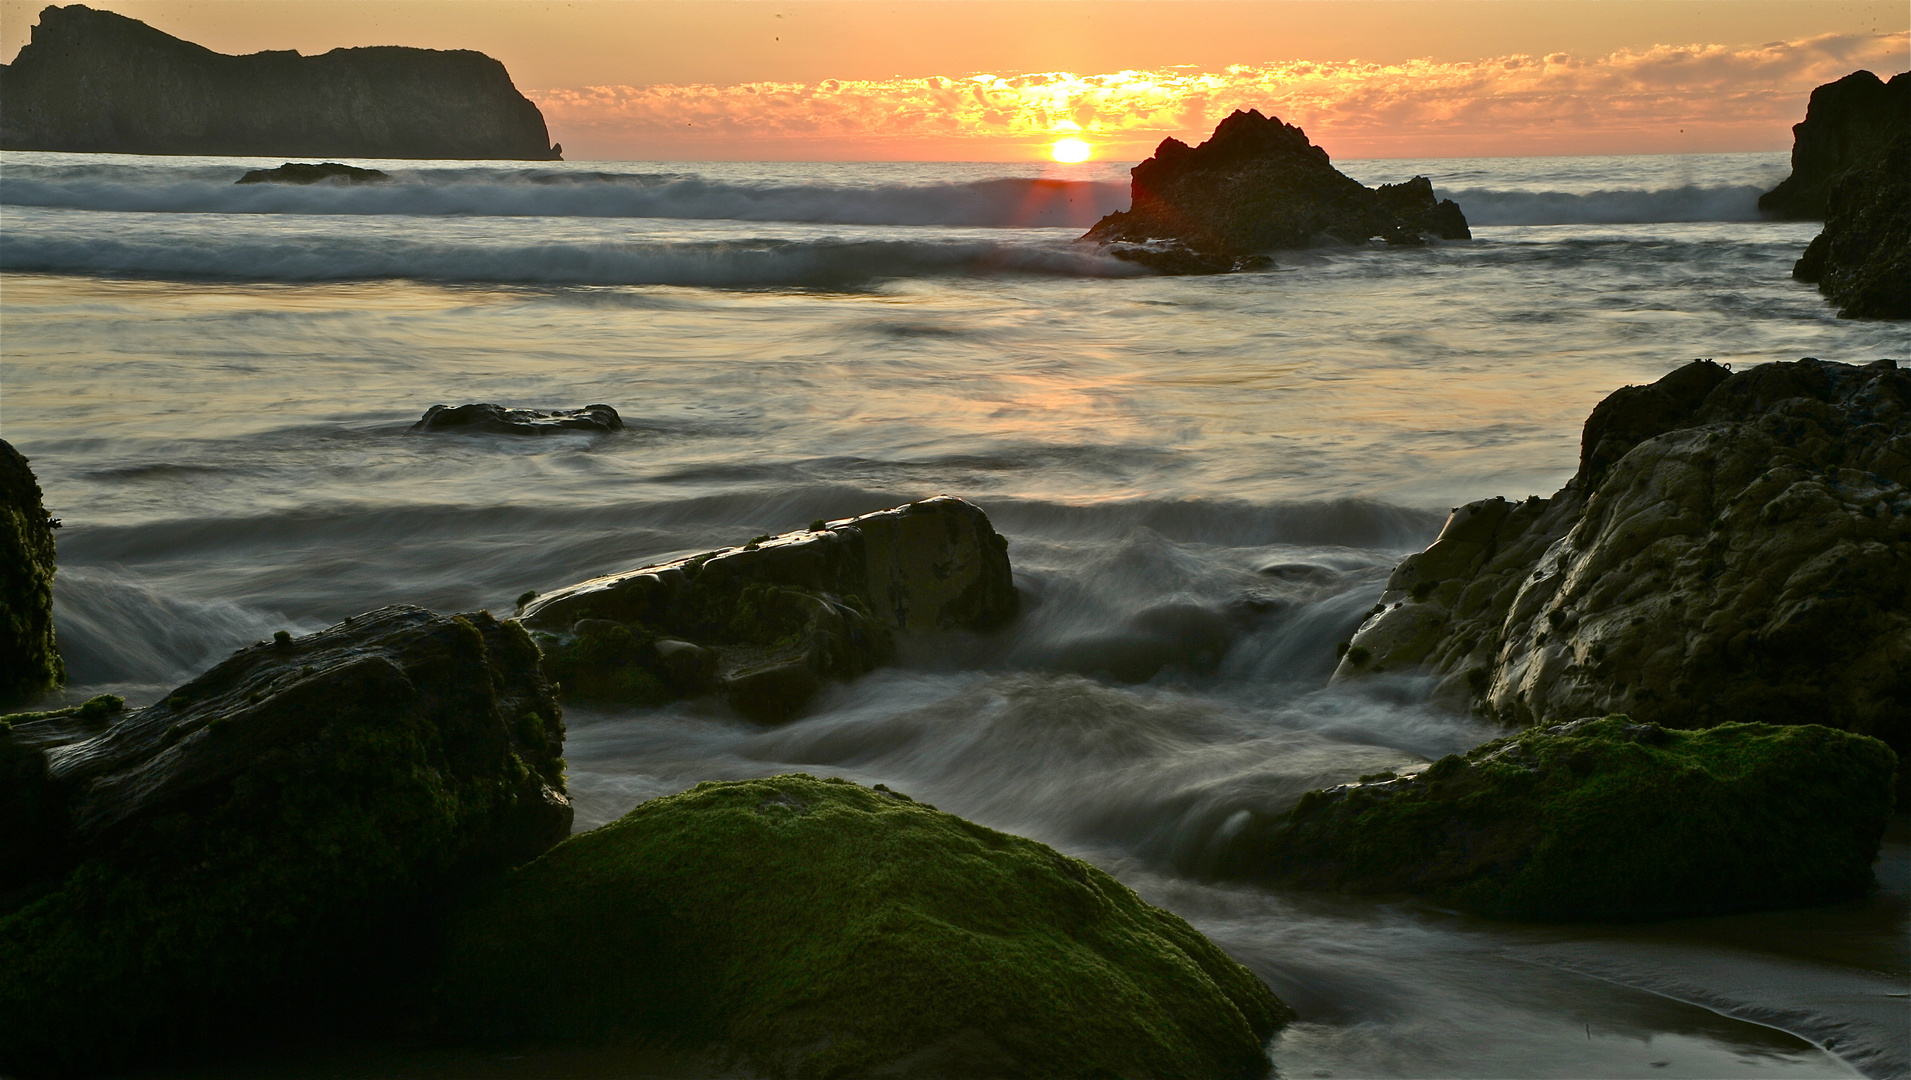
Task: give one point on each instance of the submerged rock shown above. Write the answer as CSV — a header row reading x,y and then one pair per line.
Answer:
x,y
1848,124
768,622
810,927
1600,819
96,81
27,646
263,847
293,172
1734,547
501,420
1862,261
1258,185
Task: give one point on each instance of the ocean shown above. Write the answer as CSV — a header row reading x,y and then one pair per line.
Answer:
x,y
1204,482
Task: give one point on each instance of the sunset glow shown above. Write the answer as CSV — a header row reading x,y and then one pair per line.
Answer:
x,y
1070,151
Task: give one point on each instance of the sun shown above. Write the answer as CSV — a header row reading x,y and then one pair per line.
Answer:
x,y
1070,151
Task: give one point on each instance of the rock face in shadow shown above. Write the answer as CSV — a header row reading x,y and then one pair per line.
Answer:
x,y
502,420
1862,261
293,172
765,624
805,927
269,840
1734,547
31,655
1258,185
1599,819
1848,124
96,81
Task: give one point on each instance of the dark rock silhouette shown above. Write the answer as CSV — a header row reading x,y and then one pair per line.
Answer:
x,y
1848,124
1734,547
502,420
1862,261
295,173
29,656
96,81
1258,185
265,842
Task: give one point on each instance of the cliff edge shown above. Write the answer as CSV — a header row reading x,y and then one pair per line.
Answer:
x,y
94,81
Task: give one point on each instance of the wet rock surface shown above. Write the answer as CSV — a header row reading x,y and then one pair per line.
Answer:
x,y
767,623
1848,124
1258,185
264,847
1598,818
30,655
1734,547
503,420
1862,261
805,927
293,172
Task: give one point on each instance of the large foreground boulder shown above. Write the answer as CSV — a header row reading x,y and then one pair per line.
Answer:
x,y
1734,547
29,656
1599,819
1258,185
815,928
267,846
1862,261
768,622
1848,124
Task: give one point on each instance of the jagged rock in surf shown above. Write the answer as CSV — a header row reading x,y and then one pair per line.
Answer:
x,y
1848,124
1862,261
804,927
1734,547
32,656
502,420
268,843
1598,819
101,82
768,622
293,172
1258,185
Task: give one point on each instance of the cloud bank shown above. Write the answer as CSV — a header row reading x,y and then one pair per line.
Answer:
x,y
1670,98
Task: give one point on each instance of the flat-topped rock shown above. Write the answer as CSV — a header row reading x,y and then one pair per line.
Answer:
x,y
767,622
293,172
504,420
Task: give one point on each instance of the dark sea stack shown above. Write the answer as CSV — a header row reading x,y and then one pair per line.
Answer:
x,y
29,656
325,172
1258,185
805,927
1862,261
270,844
1599,819
767,623
1734,547
100,82
503,420
1848,124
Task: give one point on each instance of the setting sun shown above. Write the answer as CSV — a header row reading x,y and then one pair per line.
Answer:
x,y
1070,150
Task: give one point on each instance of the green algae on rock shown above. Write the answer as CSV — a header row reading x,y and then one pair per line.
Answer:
x,y
817,928
26,584
1599,819
267,843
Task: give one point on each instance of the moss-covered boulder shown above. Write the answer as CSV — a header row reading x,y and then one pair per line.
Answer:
x,y
1599,818
766,623
268,846
816,928
29,657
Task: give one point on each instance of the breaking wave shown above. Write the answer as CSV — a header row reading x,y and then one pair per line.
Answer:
x,y
1690,203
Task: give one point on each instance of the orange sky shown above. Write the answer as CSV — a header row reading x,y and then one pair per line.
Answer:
x,y
999,80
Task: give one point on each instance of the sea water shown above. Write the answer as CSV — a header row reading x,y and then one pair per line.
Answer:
x,y
1204,482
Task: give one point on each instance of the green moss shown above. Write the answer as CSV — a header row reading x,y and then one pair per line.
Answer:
x,y
1358,655
1604,819
815,928
26,584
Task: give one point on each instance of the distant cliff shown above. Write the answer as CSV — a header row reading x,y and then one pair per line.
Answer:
x,y
95,81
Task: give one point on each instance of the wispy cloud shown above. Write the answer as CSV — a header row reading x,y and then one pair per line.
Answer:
x,y
1683,97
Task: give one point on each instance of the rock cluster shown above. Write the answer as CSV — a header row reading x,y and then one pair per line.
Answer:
x,y
1599,819
293,172
1848,124
1734,547
97,81
503,420
1862,261
1258,185
768,622
808,927
26,584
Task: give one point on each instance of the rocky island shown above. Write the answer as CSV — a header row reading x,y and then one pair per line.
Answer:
x,y
95,81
